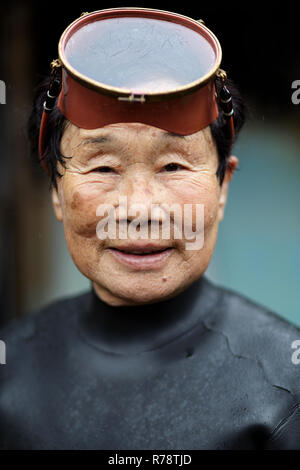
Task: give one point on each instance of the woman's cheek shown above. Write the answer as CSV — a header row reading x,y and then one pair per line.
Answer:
x,y
81,205
199,189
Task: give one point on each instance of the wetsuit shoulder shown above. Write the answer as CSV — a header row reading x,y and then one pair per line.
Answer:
x,y
255,332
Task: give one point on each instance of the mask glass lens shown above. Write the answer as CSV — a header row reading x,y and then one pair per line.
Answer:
x,y
142,55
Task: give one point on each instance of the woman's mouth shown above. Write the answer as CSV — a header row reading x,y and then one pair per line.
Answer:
x,y
141,259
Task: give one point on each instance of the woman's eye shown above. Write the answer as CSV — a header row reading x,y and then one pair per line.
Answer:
x,y
104,169
173,167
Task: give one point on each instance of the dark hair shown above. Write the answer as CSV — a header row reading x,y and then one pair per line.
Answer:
x,y
57,122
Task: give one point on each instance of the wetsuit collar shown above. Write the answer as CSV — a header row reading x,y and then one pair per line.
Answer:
x,y
133,329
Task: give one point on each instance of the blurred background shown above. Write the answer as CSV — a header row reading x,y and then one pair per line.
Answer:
x,y
257,252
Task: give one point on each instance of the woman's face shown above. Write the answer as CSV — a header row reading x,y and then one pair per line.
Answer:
x,y
146,166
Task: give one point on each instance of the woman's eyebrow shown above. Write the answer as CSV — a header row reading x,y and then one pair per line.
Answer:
x,y
173,134
113,138
98,140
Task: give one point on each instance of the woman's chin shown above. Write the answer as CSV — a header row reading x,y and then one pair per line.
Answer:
x,y
137,291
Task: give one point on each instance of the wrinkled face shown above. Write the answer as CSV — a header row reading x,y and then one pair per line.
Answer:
x,y
144,165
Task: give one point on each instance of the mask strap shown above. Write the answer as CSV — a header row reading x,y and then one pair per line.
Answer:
x,y
225,100
48,105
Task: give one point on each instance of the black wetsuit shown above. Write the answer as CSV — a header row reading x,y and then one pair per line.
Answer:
x,y
208,369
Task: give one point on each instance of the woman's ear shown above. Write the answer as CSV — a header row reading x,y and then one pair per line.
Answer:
x,y
56,204
232,164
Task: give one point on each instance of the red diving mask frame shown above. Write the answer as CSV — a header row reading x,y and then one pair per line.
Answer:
x,y
137,65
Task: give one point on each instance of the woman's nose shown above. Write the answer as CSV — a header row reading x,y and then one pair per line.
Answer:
x,y
143,198
139,189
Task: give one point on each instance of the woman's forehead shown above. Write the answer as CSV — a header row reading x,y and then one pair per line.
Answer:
x,y
133,141
123,132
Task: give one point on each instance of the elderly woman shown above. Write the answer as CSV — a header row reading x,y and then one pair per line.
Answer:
x,y
154,356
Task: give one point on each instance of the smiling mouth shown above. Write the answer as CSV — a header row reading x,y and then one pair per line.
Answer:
x,y
139,253
143,259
